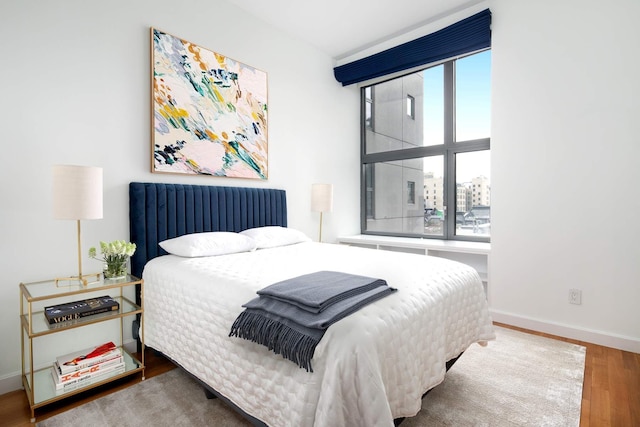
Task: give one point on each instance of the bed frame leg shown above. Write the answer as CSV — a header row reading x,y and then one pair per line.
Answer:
x,y
209,394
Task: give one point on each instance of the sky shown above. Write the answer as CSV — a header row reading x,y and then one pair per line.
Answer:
x,y
473,108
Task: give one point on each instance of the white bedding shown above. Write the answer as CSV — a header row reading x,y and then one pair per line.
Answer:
x,y
369,368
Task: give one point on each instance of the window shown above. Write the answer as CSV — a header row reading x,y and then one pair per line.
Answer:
x,y
368,99
431,138
411,192
411,106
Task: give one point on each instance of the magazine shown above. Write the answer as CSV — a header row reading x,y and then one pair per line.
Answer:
x,y
78,309
87,357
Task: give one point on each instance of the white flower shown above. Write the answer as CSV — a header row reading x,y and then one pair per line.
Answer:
x,y
115,251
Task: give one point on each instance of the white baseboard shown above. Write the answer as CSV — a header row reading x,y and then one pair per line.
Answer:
x,y
10,382
566,331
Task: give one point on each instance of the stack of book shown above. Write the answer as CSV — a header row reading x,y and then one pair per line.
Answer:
x,y
75,369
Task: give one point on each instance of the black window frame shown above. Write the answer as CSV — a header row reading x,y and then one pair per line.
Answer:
x,y
448,149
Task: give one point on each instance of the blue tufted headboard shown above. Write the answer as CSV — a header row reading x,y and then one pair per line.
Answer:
x,y
163,211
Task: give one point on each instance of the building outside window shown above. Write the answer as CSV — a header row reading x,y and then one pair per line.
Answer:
x,y
430,131
411,192
411,106
368,109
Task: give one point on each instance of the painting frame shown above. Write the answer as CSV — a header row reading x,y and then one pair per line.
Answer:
x,y
209,112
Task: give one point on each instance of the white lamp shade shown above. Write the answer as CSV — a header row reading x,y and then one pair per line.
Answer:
x,y
321,197
77,192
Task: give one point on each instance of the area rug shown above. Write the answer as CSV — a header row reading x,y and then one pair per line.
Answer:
x,y
517,380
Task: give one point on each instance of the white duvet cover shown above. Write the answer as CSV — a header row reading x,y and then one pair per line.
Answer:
x,y
369,368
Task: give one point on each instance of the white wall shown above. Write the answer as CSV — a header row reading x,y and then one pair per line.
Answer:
x,y
75,82
565,167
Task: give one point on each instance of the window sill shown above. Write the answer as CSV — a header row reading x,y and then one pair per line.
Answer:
x,y
481,248
474,254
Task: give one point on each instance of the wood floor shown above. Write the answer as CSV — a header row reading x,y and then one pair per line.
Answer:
x,y
610,395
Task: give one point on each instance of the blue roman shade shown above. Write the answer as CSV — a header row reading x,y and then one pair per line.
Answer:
x,y
468,35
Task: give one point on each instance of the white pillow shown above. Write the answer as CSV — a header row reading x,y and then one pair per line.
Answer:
x,y
208,244
272,236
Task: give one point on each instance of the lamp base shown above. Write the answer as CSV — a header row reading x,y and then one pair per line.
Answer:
x,y
82,279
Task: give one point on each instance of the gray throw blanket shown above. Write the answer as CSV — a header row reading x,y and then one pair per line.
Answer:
x,y
316,291
290,317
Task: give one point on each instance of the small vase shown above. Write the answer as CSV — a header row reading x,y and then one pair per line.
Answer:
x,y
115,270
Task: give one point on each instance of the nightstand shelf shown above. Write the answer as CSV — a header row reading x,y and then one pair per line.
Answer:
x,y
40,326
38,380
45,391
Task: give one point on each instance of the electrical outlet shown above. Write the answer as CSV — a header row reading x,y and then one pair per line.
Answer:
x,y
575,296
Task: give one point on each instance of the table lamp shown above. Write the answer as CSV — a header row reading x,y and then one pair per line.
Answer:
x,y
77,195
321,201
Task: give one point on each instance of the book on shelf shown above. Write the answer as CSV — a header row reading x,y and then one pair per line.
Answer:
x,y
65,388
82,308
94,373
87,357
93,369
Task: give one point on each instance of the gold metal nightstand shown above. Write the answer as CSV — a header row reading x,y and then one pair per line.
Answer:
x,y
38,381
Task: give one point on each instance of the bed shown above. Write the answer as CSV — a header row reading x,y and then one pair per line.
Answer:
x,y
369,369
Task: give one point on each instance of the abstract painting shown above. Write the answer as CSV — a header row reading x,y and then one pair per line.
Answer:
x,y
209,112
